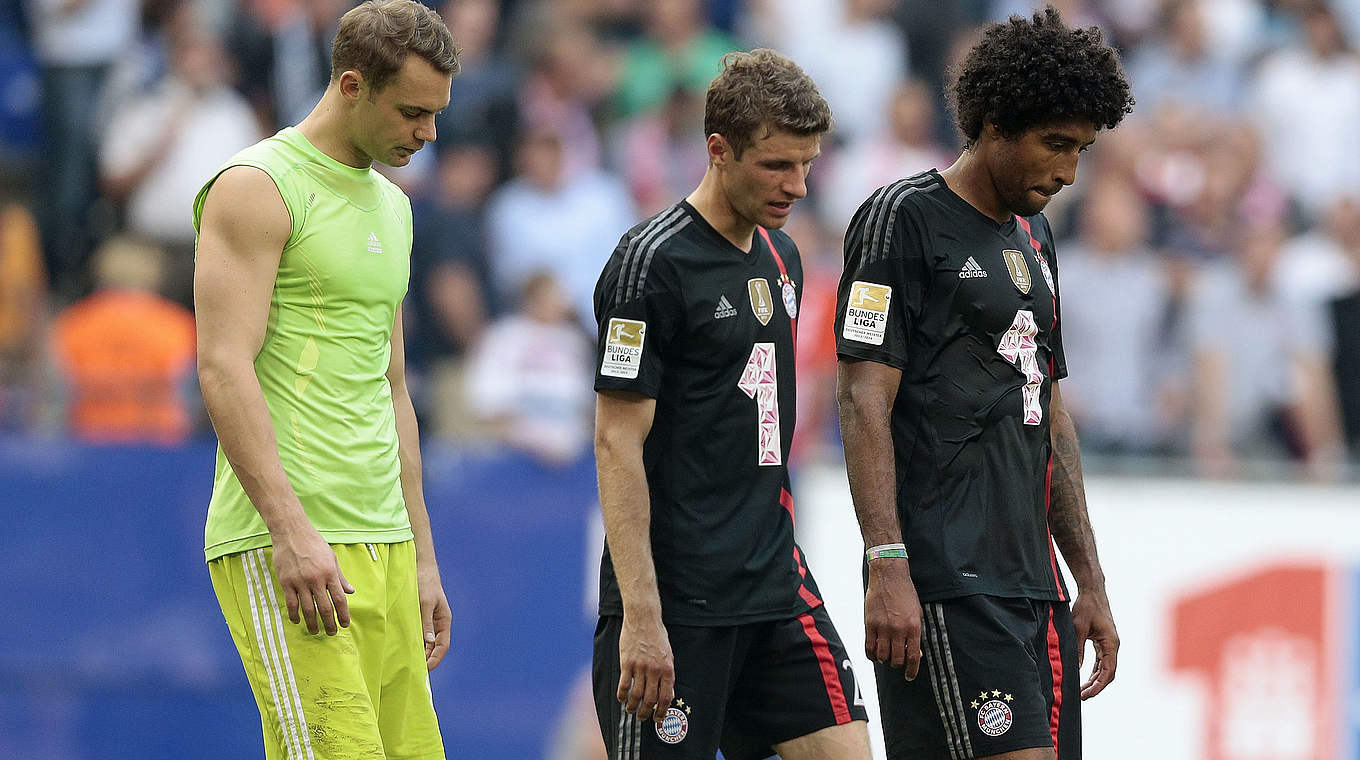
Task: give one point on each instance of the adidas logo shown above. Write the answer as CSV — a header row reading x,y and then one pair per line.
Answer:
x,y
376,247
725,309
971,270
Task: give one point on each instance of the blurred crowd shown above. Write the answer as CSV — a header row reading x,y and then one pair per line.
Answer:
x,y
1209,253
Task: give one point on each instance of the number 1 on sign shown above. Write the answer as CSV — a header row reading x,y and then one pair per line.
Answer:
x,y
760,382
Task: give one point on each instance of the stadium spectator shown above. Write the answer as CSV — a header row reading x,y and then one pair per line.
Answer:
x,y
1261,382
567,80
76,43
905,146
1117,336
126,353
545,218
285,47
680,49
24,395
446,303
1181,67
659,152
1305,99
484,103
160,145
528,379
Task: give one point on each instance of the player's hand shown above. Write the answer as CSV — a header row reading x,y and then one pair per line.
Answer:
x,y
311,579
436,618
892,616
1092,618
646,666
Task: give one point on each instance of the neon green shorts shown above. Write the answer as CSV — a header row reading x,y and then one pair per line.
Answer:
x,y
363,693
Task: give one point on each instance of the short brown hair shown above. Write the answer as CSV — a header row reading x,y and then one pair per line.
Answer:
x,y
759,88
375,38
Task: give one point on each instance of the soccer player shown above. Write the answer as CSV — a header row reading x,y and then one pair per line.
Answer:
x,y
317,512
712,634
948,329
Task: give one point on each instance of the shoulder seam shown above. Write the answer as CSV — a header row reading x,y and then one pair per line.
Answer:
x,y
883,213
637,257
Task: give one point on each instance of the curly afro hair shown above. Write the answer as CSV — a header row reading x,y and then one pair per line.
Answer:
x,y
1031,72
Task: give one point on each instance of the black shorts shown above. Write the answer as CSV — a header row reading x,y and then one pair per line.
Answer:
x,y
997,675
740,688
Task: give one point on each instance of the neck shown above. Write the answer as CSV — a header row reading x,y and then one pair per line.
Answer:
x,y
712,204
324,128
970,180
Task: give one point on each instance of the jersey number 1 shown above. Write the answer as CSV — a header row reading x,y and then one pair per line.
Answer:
x,y
1018,346
760,382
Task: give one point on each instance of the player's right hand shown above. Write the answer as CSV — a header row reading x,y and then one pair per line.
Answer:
x,y
892,616
646,666
312,582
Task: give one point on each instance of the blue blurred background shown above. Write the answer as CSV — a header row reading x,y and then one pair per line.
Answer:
x,y
1209,256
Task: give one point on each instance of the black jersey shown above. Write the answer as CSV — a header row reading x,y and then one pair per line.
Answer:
x,y
968,309
707,330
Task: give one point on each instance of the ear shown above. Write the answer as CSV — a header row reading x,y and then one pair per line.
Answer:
x,y
352,85
719,150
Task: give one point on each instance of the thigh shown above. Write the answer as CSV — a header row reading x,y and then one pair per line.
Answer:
x,y
313,697
406,717
796,680
979,691
692,724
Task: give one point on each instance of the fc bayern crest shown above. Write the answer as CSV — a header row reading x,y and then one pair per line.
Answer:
x,y
994,717
790,296
674,727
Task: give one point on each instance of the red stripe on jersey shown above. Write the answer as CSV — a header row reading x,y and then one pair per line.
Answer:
x,y
803,593
1055,663
830,674
784,275
1024,225
1048,504
786,501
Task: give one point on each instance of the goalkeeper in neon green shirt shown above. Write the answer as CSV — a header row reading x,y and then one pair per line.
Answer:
x,y
317,539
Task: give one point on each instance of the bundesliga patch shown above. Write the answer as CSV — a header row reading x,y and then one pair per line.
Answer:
x,y
1015,264
623,348
866,313
994,716
675,726
762,303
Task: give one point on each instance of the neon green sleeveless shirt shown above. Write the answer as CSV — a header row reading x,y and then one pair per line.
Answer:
x,y
323,365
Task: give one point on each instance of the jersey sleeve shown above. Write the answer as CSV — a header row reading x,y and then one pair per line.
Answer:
x,y
639,310
1055,340
882,287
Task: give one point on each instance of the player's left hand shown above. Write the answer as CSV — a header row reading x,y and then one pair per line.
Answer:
x,y
435,617
1093,620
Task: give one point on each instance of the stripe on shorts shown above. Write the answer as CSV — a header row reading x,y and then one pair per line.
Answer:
x,y
629,744
831,677
945,682
274,654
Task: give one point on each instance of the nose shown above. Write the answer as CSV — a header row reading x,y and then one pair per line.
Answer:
x,y
796,185
426,130
1067,168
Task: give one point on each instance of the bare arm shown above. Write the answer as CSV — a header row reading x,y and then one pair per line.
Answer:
x,y
865,393
244,228
435,614
622,422
1071,529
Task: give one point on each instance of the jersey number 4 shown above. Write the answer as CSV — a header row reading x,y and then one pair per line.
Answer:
x,y
1018,347
760,382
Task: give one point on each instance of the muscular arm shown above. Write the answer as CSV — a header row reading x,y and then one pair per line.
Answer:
x,y
436,616
244,228
865,392
1071,528
622,422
